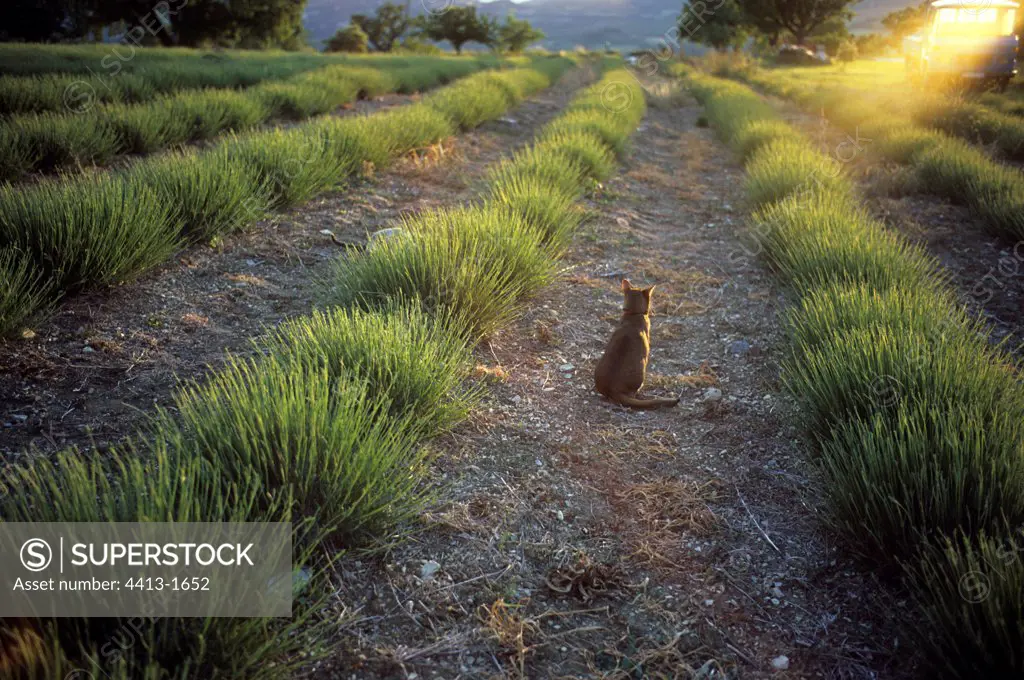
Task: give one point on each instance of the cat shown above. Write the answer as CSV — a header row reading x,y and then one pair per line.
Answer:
x,y
621,371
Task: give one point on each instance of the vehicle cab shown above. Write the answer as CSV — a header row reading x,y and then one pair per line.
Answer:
x,y
971,39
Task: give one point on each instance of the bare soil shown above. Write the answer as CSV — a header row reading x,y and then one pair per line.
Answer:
x,y
579,539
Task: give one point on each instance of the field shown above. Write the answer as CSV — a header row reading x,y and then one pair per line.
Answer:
x,y
366,295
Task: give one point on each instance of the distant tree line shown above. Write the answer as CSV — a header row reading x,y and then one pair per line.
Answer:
x,y
391,28
730,24
227,23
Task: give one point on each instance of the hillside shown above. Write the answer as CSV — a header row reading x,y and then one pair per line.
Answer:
x,y
593,23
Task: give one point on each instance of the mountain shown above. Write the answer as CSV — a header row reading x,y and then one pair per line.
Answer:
x,y
623,24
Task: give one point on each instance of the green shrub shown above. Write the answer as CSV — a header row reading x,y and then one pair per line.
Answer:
x,y
58,141
144,129
23,294
417,363
825,239
750,138
17,155
210,193
544,207
93,231
972,595
478,262
859,373
609,129
787,167
967,176
558,171
582,150
210,112
133,485
298,101
470,103
929,470
294,164
401,130
842,307
326,442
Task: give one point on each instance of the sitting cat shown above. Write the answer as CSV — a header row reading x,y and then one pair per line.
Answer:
x,y
621,371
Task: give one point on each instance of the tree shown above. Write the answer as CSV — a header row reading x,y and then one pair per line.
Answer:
x,y
231,23
37,20
385,28
348,39
906,21
832,34
800,18
515,35
458,25
725,27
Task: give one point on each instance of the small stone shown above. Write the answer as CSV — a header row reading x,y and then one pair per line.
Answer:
x,y
712,394
429,569
777,592
780,663
740,347
561,516
28,334
385,234
566,367
19,417
88,350
708,603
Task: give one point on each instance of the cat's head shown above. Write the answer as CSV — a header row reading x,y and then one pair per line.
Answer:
x,y
638,300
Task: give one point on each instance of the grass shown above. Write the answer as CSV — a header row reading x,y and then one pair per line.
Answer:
x,y
160,485
791,167
91,232
581,149
210,194
59,78
821,239
417,363
65,140
325,425
22,294
929,471
915,416
428,266
970,591
328,443
94,231
389,134
549,210
951,168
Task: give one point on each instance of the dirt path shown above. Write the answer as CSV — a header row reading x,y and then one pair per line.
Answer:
x,y
987,270
107,357
579,539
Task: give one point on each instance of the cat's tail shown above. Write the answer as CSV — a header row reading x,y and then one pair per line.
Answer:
x,y
643,403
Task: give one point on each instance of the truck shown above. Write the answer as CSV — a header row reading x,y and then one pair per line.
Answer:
x,y
969,40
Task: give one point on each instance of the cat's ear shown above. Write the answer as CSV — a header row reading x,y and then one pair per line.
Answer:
x,y
626,286
649,291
